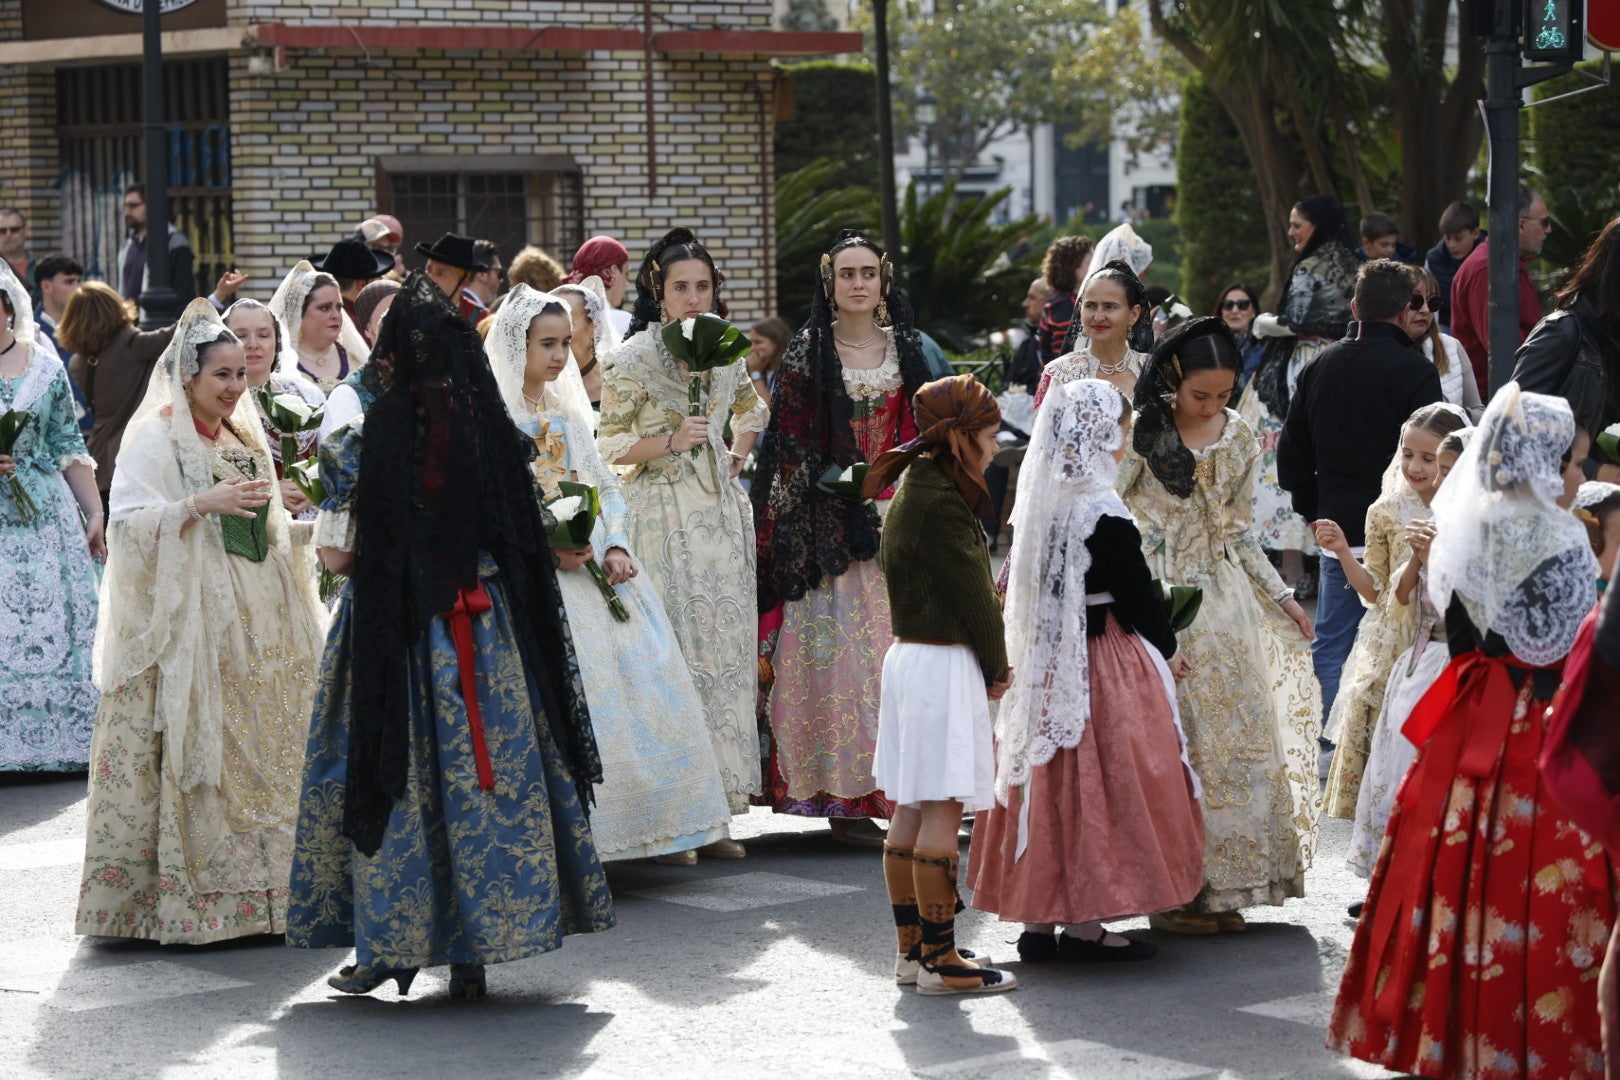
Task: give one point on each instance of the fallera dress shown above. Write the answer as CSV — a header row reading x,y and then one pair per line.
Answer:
x,y
1386,631
828,657
692,530
47,584
660,791
463,875
207,862
1251,709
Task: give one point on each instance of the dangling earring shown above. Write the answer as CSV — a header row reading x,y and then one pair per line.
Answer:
x,y
663,312
883,313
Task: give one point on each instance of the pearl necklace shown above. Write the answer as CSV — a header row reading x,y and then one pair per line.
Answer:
x,y
877,332
534,403
1113,369
317,359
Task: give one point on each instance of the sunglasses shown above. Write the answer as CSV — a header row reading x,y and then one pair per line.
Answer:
x,y
7,230
1418,303
1544,222
1234,305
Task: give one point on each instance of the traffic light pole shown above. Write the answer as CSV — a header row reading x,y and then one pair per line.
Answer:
x,y
1502,131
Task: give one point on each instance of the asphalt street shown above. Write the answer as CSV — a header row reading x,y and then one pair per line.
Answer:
x,y
778,965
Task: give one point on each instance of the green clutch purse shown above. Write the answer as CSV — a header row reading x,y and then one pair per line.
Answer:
x,y
247,537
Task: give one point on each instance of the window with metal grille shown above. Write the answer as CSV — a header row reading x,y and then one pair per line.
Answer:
x,y
528,200
99,113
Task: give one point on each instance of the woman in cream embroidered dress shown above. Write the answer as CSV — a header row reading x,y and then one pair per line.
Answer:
x,y
689,518
206,657
1113,319
843,396
1250,706
47,583
322,343
661,791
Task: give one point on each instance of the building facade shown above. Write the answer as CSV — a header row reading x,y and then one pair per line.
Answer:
x,y
518,122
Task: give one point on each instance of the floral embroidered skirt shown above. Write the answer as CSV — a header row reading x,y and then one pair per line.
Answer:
x,y
1114,827
823,720
464,875
1477,954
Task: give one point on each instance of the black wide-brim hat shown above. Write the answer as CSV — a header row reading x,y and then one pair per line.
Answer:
x,y
453,250
352,259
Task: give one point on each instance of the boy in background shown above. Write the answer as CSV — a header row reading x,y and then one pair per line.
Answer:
x,y
1460,234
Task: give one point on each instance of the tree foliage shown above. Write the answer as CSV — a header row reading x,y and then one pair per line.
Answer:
x,y
1575,143
998,67
811,209
1223,229
834,118
808,15
955,264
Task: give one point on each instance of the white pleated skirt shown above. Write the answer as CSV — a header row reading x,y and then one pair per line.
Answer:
x,y
934,733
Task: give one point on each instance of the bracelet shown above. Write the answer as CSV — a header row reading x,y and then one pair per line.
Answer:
x,y
191,508
734,456
669,446
1283,597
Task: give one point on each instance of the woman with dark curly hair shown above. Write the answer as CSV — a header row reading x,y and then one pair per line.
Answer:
x,y
1064,268
843,397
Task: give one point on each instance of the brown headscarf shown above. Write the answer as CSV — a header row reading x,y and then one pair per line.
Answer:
x,y
949,412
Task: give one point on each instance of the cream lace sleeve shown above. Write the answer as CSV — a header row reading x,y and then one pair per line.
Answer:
x,y
622,400
1244,451
1382,523
749,413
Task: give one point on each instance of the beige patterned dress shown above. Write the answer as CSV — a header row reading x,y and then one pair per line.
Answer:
x,y
208,862
693,532
1251,709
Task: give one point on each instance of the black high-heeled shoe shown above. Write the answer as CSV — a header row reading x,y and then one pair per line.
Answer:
x,y
467,982
353,979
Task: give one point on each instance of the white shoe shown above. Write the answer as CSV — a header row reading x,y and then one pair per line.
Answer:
x,y
931,981
905,969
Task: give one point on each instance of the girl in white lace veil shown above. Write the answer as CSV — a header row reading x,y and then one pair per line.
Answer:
x,y
1505,542
1090,762
1071,450
168,586
508,349
596,308
287,305
23,324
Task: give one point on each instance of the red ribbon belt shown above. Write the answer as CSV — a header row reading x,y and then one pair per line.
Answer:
x,y
470,602
1461,726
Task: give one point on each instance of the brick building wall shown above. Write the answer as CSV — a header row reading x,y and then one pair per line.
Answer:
x,y
309,127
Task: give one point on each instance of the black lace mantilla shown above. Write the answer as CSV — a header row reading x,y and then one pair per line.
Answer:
x,y
443,476
803,535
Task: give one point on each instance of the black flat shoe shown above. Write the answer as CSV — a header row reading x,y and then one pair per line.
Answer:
x,y
1037,948
1355,909
1072,950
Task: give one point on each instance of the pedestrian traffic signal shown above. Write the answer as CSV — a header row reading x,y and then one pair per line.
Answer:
x,y
1553,30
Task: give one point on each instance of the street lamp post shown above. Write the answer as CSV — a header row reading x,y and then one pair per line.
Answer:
x,y
927,114
158,300
885,119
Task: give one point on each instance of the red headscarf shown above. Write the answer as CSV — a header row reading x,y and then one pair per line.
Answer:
x,y
596,255
950,412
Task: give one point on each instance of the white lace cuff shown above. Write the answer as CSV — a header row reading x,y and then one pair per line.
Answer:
x,y
335,529
75,459
614,447
755,419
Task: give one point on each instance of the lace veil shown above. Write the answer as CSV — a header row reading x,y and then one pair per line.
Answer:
x,y
287,305
43,358
1520,563
508,350
1049,704
596,307
167,588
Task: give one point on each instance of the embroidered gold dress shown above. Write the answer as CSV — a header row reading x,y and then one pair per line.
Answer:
x,y
191,864
693,532
1385,633
1250,708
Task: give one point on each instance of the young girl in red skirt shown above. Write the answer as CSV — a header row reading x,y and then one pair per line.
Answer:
x,y
1489,911
1097,814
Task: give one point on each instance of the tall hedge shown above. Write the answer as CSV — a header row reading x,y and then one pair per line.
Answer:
x,y
835,117
1223,231
1575,143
